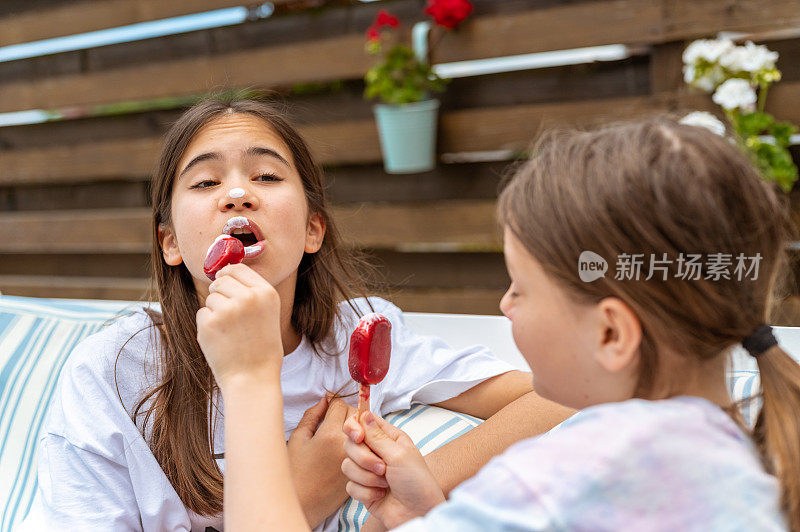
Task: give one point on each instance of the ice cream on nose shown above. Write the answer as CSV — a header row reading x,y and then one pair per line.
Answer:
x,y
236,192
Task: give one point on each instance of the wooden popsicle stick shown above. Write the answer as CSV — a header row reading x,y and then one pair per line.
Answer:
x,y
363,398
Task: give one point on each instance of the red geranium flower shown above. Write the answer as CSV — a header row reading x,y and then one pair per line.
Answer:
x,y
384,18
373,34
448,13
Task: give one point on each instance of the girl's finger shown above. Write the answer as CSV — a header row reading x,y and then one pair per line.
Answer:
x,y
364,457
215,301
243,273
228,286
352,428
362,476
364,494
310,420
337,410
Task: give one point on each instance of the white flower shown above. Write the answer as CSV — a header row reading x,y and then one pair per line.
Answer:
x,y
688,73
707,82
736,94
748,58
706,120
708,49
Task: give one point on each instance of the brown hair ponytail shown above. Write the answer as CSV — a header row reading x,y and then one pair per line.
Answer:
x,y
777,428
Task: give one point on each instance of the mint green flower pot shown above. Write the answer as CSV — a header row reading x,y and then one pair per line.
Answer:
x,y
408,136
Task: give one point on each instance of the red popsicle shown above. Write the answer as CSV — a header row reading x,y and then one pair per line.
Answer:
x,y
370,349
225,250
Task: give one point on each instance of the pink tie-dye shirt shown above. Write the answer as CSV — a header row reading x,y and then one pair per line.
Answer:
x,y
679,464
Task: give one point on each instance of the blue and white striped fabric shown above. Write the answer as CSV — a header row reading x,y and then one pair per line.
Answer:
x,y
36,336
745,387
429,427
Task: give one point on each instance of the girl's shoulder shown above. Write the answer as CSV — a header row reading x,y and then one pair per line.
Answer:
x,y
126,346
631,421
639,435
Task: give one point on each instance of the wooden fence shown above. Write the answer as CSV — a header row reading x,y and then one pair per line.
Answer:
x,y
73,192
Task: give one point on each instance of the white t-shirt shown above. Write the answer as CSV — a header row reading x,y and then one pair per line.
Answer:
x,y
96,471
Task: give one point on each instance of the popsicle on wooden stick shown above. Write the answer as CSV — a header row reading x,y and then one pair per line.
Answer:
x,y
370,349
225,250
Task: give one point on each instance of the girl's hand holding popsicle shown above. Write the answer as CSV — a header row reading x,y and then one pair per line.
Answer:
x,y
388,473
241,315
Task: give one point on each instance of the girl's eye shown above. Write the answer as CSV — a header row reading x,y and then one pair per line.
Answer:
x,y
205,184
268,177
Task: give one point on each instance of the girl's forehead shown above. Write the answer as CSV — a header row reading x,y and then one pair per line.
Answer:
x,y
234,129
234,135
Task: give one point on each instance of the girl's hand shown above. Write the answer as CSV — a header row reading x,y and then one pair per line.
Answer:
x,y
387,472
238,329
316,451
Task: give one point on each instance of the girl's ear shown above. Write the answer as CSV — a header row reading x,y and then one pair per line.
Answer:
x,y
169,246
315,233
620,336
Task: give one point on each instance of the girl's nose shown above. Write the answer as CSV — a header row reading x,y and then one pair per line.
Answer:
x,y
505,304
238,198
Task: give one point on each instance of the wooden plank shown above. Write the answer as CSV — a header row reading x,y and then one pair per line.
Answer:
x,y
690,19
440,270
340,143
81,17
460,223
457,223
666,67
329,59
90,231
107,194
612,22
554,28
459,301
74,287
342,57
120,265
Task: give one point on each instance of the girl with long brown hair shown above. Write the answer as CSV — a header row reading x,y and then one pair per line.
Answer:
x,y
134,438
658,443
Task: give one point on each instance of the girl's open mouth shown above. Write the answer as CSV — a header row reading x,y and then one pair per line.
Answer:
x,y
248,232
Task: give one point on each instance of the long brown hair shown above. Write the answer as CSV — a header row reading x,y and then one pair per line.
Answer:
x,y
176,416
656,187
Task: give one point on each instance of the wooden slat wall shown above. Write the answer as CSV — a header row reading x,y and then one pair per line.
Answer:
x,y
74,214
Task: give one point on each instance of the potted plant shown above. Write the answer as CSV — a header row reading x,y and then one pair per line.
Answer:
x,y
739,78
404,81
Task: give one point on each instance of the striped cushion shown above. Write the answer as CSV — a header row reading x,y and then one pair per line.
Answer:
x,y
36,335
744,384
429,427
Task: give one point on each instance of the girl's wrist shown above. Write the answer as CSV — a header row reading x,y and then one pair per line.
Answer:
x,y
254,378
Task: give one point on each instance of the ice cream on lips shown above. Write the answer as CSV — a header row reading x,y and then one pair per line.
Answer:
x,y
241,238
